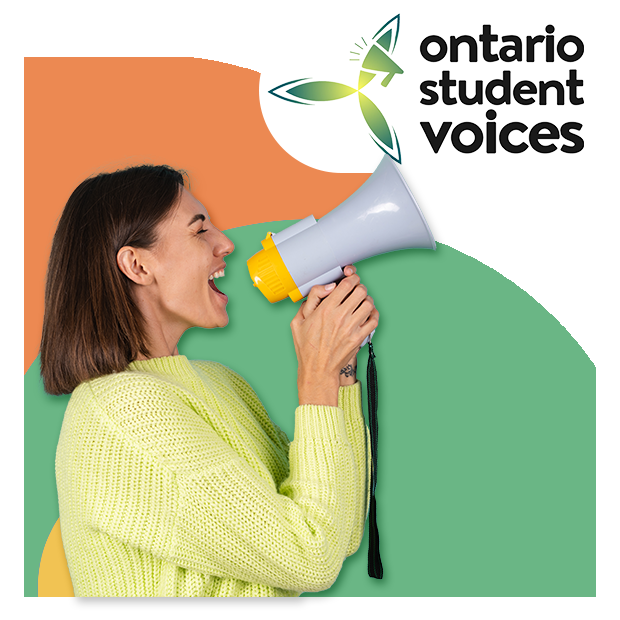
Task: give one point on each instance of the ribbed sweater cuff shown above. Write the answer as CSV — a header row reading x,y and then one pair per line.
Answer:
x,y
319,422
350,397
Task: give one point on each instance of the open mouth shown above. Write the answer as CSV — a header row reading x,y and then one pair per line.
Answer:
x,y
212,285
213,277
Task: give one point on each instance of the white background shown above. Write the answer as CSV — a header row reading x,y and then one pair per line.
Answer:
x,y
158,28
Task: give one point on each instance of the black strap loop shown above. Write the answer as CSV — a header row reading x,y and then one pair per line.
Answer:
x,y
375,568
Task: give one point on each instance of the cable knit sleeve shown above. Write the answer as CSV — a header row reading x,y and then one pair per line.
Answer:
x,y
350,400
194,502
232,524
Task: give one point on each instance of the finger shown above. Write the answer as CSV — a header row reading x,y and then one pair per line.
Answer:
x,y
371,324
357,296
344,289
364,310
315,296
361,316
349,270
363,300
367,313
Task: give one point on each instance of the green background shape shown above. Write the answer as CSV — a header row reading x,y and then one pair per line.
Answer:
x,y
486,475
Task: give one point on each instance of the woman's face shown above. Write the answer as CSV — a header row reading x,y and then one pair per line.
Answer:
x,y
187,261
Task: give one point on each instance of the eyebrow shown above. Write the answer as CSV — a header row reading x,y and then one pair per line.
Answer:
x,y
198,216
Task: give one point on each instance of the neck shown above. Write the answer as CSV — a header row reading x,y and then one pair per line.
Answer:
x,y
158,352
162,335
162,339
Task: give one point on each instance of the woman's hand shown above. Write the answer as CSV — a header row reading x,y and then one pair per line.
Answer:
x,y
328,331
318,293
315,297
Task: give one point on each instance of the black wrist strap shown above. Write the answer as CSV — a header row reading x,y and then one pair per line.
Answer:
x,y
375,568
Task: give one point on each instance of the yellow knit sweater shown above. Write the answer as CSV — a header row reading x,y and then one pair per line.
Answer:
x,y
173,481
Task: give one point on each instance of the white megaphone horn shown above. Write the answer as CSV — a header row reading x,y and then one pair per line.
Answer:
x,y
381,216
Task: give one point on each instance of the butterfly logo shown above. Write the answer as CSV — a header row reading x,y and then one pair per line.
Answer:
x,y
376,60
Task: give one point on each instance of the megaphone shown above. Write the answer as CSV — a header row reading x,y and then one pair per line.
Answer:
x,y
378,60
381,216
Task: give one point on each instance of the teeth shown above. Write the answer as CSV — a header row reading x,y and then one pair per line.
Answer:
x,y
217,274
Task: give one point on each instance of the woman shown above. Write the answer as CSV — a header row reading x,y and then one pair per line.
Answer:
x,y
172,480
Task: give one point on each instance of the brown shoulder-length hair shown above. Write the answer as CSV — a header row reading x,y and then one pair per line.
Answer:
x,y
92,326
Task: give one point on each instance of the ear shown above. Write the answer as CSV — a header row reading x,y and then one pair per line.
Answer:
x,y
131,261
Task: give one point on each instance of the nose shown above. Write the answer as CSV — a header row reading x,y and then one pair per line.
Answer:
x,y
224,245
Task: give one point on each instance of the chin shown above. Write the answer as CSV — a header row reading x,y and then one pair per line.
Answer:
x,y
223,322
220,321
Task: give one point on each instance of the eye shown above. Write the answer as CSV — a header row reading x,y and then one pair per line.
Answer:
x,y
204,230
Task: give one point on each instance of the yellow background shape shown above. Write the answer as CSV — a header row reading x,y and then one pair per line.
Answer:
x,y
54,576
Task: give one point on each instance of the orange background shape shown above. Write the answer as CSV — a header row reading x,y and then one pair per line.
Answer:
x,y
88,115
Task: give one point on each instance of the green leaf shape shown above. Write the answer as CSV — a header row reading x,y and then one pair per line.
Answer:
x,y
321,91
385,40
376,121
364,78
384,29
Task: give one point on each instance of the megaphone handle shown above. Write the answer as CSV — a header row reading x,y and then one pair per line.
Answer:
x,y
333,275
368,338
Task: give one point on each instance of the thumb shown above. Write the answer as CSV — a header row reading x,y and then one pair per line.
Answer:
x,y
316,295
